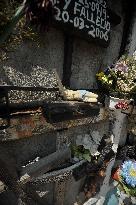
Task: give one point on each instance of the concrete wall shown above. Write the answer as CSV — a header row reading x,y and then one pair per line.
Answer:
x,y
131,47
87,57
49,55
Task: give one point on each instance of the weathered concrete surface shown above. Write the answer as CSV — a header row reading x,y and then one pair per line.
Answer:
x,y
70,136
88,58
132,124
66,190
25,125
64,185
33,65
58,187
28,149
131,46
118,124
76,195
112,52
49,55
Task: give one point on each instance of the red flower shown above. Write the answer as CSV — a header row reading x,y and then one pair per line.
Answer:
x,y
122,105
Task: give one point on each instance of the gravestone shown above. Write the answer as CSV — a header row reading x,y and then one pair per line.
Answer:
x,y
86,18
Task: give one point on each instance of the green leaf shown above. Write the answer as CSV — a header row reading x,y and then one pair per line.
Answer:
x,y
87,151
11,25
87,157
80,156
129,190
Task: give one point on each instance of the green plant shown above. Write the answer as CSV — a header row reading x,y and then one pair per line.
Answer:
x,y
81,153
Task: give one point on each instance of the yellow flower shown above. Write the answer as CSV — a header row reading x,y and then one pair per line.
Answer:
x,y
110,81
100,74
104,79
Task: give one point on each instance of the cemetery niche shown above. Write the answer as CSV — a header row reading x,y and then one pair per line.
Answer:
x,y
88,19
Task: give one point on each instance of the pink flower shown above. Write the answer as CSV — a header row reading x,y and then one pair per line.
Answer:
x,y
122,67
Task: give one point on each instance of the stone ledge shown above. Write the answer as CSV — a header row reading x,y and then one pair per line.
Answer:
x,y
26,125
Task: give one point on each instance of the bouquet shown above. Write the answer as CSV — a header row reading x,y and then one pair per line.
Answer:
x,y
120,77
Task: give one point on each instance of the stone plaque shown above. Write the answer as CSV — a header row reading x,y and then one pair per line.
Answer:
x,y
87,18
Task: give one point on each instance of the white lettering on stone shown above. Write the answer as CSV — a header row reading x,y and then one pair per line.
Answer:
x,y
82,24
104,4
105,13
102,23
106,36
97,32
81,2
91,17
92,31
97,6
93,6
98,21
77,8
54,2
65,16
83,12
58,14
86,4
99,11
67,2
76,22
108,26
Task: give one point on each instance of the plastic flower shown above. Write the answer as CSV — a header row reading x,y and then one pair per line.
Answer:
x,y
128,173
119,77
100,75
110,82
122,67
104,79
122,105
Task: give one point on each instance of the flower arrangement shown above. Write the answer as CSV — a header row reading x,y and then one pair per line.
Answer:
x,y
126,176
120,77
